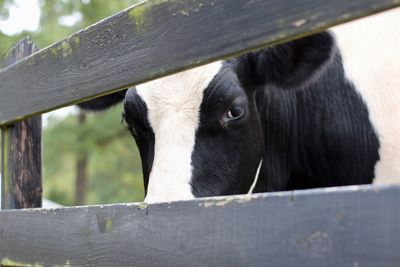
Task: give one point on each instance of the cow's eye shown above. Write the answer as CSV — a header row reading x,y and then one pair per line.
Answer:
x,y
235,112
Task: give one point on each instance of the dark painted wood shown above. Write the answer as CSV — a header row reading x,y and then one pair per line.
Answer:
x,y
349,226
157,38
21,150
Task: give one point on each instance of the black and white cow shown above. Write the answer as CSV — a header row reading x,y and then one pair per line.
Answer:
x,y
316,112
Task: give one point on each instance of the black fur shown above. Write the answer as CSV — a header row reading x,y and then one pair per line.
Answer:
x,y
317,137
135,116
103,102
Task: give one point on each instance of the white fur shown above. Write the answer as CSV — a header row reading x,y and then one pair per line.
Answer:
x,y
371,56
173,105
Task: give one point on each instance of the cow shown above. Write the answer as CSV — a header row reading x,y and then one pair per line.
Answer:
x,y
319,111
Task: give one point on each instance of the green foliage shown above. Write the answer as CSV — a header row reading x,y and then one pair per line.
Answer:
x,y
3,9
114,168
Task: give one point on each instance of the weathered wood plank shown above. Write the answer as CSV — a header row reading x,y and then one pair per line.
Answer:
x,y
21,151
157,38
350,226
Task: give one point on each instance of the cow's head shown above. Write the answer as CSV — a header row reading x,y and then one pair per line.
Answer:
x,y
200,132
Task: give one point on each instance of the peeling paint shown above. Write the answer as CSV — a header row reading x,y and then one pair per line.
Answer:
x,y
222,203
245,198
227,200
142,205
104,223
139,14
208,204
66,48
109,224
53,51
6,262
190,10
181,12
76,40
299,23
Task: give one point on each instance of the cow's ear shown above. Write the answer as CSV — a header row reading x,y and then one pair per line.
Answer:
x,y
293,64
103,102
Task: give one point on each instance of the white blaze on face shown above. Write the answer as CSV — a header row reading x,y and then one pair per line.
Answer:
x,y
173,105
371,57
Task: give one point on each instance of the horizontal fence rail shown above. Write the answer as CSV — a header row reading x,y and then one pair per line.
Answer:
x,y
349,226
157,38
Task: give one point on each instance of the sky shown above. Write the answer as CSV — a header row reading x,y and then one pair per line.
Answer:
x,y
24,15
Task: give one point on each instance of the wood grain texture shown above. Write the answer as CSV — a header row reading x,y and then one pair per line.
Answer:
x,y
349,226
157,38
21,159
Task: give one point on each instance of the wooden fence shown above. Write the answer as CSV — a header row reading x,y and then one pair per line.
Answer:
x,y
349,226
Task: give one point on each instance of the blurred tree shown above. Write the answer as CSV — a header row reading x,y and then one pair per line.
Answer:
x,y
81,165
113,164
97,148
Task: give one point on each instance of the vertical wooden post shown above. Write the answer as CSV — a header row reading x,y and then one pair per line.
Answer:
x,y
21,146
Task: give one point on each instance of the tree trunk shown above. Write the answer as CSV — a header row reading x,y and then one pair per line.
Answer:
x,y
81,168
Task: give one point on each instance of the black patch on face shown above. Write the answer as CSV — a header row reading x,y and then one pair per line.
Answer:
x,y
136,117
225,149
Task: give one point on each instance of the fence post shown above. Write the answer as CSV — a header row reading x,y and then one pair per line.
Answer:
x,y
21,146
